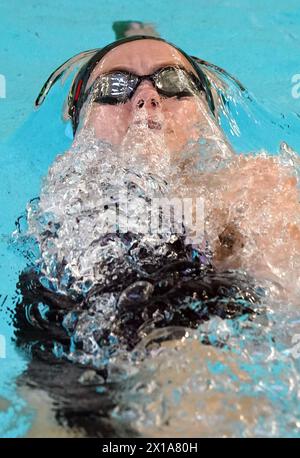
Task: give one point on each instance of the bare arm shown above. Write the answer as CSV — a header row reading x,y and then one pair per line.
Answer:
x,y
253,214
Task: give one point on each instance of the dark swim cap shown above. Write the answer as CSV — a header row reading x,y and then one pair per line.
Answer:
x,y
92,58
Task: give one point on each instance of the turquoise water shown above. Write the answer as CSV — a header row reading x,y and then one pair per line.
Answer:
x,y
258,42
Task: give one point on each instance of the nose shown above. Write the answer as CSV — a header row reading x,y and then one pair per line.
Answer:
x,y
146,96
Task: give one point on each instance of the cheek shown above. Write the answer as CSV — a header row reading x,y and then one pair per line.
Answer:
x,y
183,113
109,122
183,118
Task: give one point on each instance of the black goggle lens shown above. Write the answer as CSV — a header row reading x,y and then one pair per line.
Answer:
x,y
174,82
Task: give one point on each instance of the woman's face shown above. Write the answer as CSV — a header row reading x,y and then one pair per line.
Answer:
x,y
178,120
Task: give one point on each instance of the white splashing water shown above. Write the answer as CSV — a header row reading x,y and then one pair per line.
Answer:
x,y
248,387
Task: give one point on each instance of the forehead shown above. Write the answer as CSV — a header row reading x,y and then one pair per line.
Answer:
x,y
142,57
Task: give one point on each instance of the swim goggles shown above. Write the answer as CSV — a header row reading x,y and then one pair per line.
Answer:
x,y
119,86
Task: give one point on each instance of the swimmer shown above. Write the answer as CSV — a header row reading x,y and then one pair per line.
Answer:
x,y
252,205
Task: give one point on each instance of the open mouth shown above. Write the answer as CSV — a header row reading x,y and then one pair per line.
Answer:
x,y
154,124
151,124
